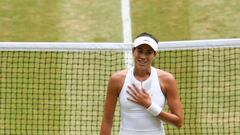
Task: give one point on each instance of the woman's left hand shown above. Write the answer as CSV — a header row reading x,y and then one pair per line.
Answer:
x,y
141,97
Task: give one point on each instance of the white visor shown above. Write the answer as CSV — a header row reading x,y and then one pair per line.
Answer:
x,y
146,40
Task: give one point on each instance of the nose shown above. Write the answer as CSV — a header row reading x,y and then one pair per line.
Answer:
x,y
143,55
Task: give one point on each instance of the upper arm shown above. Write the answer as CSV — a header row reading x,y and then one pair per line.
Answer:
x,y
114,87
172,95
111,97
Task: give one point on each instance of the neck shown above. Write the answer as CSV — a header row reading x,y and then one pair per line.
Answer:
x,y
142,74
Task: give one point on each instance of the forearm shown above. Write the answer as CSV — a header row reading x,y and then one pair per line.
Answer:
x,y
171,118
157,111
106,125
105,129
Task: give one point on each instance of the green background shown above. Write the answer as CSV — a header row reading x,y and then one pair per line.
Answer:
x,y
53,92
100,20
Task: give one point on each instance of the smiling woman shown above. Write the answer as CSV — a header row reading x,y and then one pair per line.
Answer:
x,y
142,91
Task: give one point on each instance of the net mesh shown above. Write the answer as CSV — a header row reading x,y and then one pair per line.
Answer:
x,y
63,92
209,83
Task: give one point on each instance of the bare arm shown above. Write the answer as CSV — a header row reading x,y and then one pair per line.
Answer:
x,y
175,116
114,86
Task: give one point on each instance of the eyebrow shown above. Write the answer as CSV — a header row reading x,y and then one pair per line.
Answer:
x,y
148,50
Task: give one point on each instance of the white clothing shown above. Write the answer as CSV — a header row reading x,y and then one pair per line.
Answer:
x,y
129,132
135,119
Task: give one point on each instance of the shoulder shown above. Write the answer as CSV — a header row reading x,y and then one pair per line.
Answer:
x,y
165,76
119,75
167,80
116,80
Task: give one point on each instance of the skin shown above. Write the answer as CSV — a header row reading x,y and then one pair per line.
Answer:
x,y
143,56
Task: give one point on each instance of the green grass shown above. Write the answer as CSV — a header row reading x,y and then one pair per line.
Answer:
x,y
187,19
29,20
166,19
60,20
98,21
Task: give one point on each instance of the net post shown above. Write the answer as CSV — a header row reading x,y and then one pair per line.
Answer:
x,y
128,59
127,31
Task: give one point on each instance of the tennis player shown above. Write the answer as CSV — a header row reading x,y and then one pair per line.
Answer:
x,y
142,92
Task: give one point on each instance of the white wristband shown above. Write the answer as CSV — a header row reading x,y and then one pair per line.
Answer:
x,y
154,109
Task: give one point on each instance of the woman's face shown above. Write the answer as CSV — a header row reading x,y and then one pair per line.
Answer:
x,y
143,56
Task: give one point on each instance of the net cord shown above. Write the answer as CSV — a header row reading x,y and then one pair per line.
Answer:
x,y
93,46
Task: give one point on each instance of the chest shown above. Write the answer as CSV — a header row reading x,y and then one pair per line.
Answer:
x,y
151,85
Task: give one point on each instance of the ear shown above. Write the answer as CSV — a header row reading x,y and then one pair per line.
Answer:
x,y
155,53
133,49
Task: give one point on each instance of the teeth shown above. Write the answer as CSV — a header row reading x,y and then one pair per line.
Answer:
x,y
141,62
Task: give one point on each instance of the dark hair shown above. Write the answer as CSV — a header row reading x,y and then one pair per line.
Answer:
x,y
148,35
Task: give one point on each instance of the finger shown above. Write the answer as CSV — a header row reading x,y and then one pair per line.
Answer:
x,y
136,88
145,91
131,95
133,91
132,100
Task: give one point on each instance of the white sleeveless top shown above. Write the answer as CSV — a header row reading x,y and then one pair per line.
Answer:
x,y
135,119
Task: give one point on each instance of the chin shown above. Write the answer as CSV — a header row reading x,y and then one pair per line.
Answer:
x,y
143,67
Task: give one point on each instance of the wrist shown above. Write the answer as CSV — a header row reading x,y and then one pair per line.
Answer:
x,y
154,109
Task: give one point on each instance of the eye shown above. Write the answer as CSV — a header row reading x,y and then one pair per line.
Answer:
x,y
148,52
140,51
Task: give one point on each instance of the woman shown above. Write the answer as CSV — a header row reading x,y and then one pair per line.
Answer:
x,y
142,92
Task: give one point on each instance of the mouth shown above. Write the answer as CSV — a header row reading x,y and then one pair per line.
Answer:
x,y
142,62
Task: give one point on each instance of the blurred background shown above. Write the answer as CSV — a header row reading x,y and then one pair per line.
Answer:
x,y
44,92
100,20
